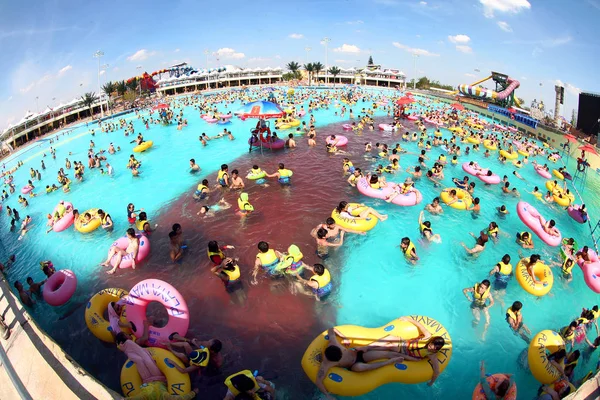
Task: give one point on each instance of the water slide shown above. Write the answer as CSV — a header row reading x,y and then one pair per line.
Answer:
x,y
478,91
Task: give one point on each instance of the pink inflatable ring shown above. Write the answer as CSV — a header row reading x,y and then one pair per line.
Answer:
x,y
347,127
591,271
150,290
531,217
408,199
542,172
66,220
26,189
60,287
574,213
337,140
122,243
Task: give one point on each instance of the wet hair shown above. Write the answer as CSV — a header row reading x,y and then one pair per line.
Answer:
x,y
213,246
506,259
322,233
405,240
121,338
573,324
255,166
175,227
100,212
341,206
224,167
235,171
330,221
131,232
192,160
29,280
319,269
476,200
243,384
281,166
374,179
516,306
263,246
453,192
552,223
143,216
437,341
333,353
216,346
18,284
485,282
172,235
534,258
205,182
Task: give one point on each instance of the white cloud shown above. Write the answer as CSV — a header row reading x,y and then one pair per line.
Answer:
x,y
44,78
64,69
141,55
347,48
27,88
226,52
470,75
258,59
102,72
296,36
423,3
536,51
277,57
504,26
419,52
464,49
504,6
176,51
459,39
357,22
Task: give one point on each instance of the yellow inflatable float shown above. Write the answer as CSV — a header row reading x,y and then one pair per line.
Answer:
x,y
557,174
143,147
94,223
362,225
464,198
523,153
456,129
177,383
542,272
541,346
344,382
489,145
473,140
509,156
96,308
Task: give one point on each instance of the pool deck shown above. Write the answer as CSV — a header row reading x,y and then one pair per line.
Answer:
x,y
44,369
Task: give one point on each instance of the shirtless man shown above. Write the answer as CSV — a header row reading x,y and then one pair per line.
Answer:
x,y
435,207
193,166
334,231
236,181
337,355
23,295
132,249
35,288
323,244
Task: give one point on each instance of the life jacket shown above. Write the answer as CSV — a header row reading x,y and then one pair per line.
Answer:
x,y
424,229
269,259
409,249
415,349
349,166
293,260
375,185
322,280
514,315
480,299
528,241
215,253
233,275
491,231
285,175
200,190
221,177
139,224
442,157
563,333
103,220
246,373
566,270
61,210
200,357
244,205
504,272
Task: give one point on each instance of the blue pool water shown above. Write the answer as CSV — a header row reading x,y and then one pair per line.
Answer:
x,y
375,285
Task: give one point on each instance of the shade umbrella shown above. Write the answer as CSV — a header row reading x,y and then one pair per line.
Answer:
x,y
409,94
402,101
570,138
260,109
458,106
589,148
160,106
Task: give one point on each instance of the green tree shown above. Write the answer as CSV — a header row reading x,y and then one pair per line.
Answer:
x,y
293,66
423,83
318,67
108,88
133,85
88,99
309,70
288,76
121,88
370,61
335,71
573,118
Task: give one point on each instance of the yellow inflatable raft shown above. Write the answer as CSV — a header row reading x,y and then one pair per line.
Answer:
x,y
541,346
473,140
177,383
489,145
464,198
96,309
509,156
362,225
557,174
90,226
343,382
456,129
143,147
541,271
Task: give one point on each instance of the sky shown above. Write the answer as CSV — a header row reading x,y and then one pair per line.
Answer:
x,y
47,50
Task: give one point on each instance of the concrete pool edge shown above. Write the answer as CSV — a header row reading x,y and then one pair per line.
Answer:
x,y
39,362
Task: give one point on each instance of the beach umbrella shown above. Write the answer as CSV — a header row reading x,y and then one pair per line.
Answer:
x,y
402,101
589,148
160,106
458,106
570,138
260,109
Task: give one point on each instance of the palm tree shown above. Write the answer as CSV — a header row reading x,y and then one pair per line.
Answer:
x,y
88,99
318,67
293,66
335,71
121,88
310,68
108,88
133,85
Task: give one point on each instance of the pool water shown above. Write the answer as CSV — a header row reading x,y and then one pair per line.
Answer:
x,y
373,283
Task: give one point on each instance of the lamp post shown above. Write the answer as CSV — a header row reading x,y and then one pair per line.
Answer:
x,y
37,107
325,41
206,53
139,67
104,67
415,56
98,54
307,50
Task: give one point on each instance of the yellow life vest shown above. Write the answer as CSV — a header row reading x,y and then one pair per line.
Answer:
x,y
285,173
233,275
348,164
566,270
492,231
61,210
528,241
215,253
48,189
596,314
504,269
454,161
480,298
268,259
409,249
442,157
322,280
563,332
255,171
201,187
246,373
510,313
383,154
103,220
221,176
200,357
245,205
139,224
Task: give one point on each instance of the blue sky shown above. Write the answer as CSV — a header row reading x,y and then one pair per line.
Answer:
x,y
47,49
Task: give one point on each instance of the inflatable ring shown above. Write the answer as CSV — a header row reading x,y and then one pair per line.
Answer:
x,y
256,176
438,134
343,382
339,140
523,153
126,261
489,145
66,220
562,199
544,343
144,146
150,290
177,383
509,156
473,140
542,272
294,123
494,380
362,225
543,173
60,287
94,313
456,129
26,189
90,226
530,216
464,198
558,174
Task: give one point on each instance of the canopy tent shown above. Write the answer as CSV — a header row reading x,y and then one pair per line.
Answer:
x,y
260,109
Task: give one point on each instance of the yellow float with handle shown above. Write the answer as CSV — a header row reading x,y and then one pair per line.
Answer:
x,y
90,226
294,122
362,225
177,383
344,382
96,308
143,147
473,140
465,200
541,271
509,156
541,346
523,153
489,145
456,129
557,174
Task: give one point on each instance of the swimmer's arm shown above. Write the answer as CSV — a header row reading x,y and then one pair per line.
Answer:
x,y
466,291
320,377
436,368
491,300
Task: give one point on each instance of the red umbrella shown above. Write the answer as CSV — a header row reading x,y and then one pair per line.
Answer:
x,y
589,148
402,101
160,106
409,94
458,106
570,138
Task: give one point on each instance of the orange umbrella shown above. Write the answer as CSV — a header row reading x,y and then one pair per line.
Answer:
x,y
458,106
589,148
570,138
402,101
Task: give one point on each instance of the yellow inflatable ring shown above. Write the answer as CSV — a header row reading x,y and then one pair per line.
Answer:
x,y
177,383
473,140
143,147
343,382
90,226
509,156
283,127
294,122
456,129
541,271
517,164
523,153
489,145
95,309
543,344
565,200
464,198
551,186
558,174
362,225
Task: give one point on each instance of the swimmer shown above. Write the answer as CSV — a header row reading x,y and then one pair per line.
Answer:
x,y
500,389
481,295
35,287
202,190
323,244
209,211
223,176
267,259
25,297
515,173
525,240
236,181
409,250
131,250
515,321
320,282
354,177
502,211
426,232
193,166
435,207
334,230
549,226
229,273
358,212
480,242
105,220
283,175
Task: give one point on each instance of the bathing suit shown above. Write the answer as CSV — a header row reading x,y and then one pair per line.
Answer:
x,y
359,357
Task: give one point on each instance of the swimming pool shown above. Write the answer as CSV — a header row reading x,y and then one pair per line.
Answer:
x,y
374,283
